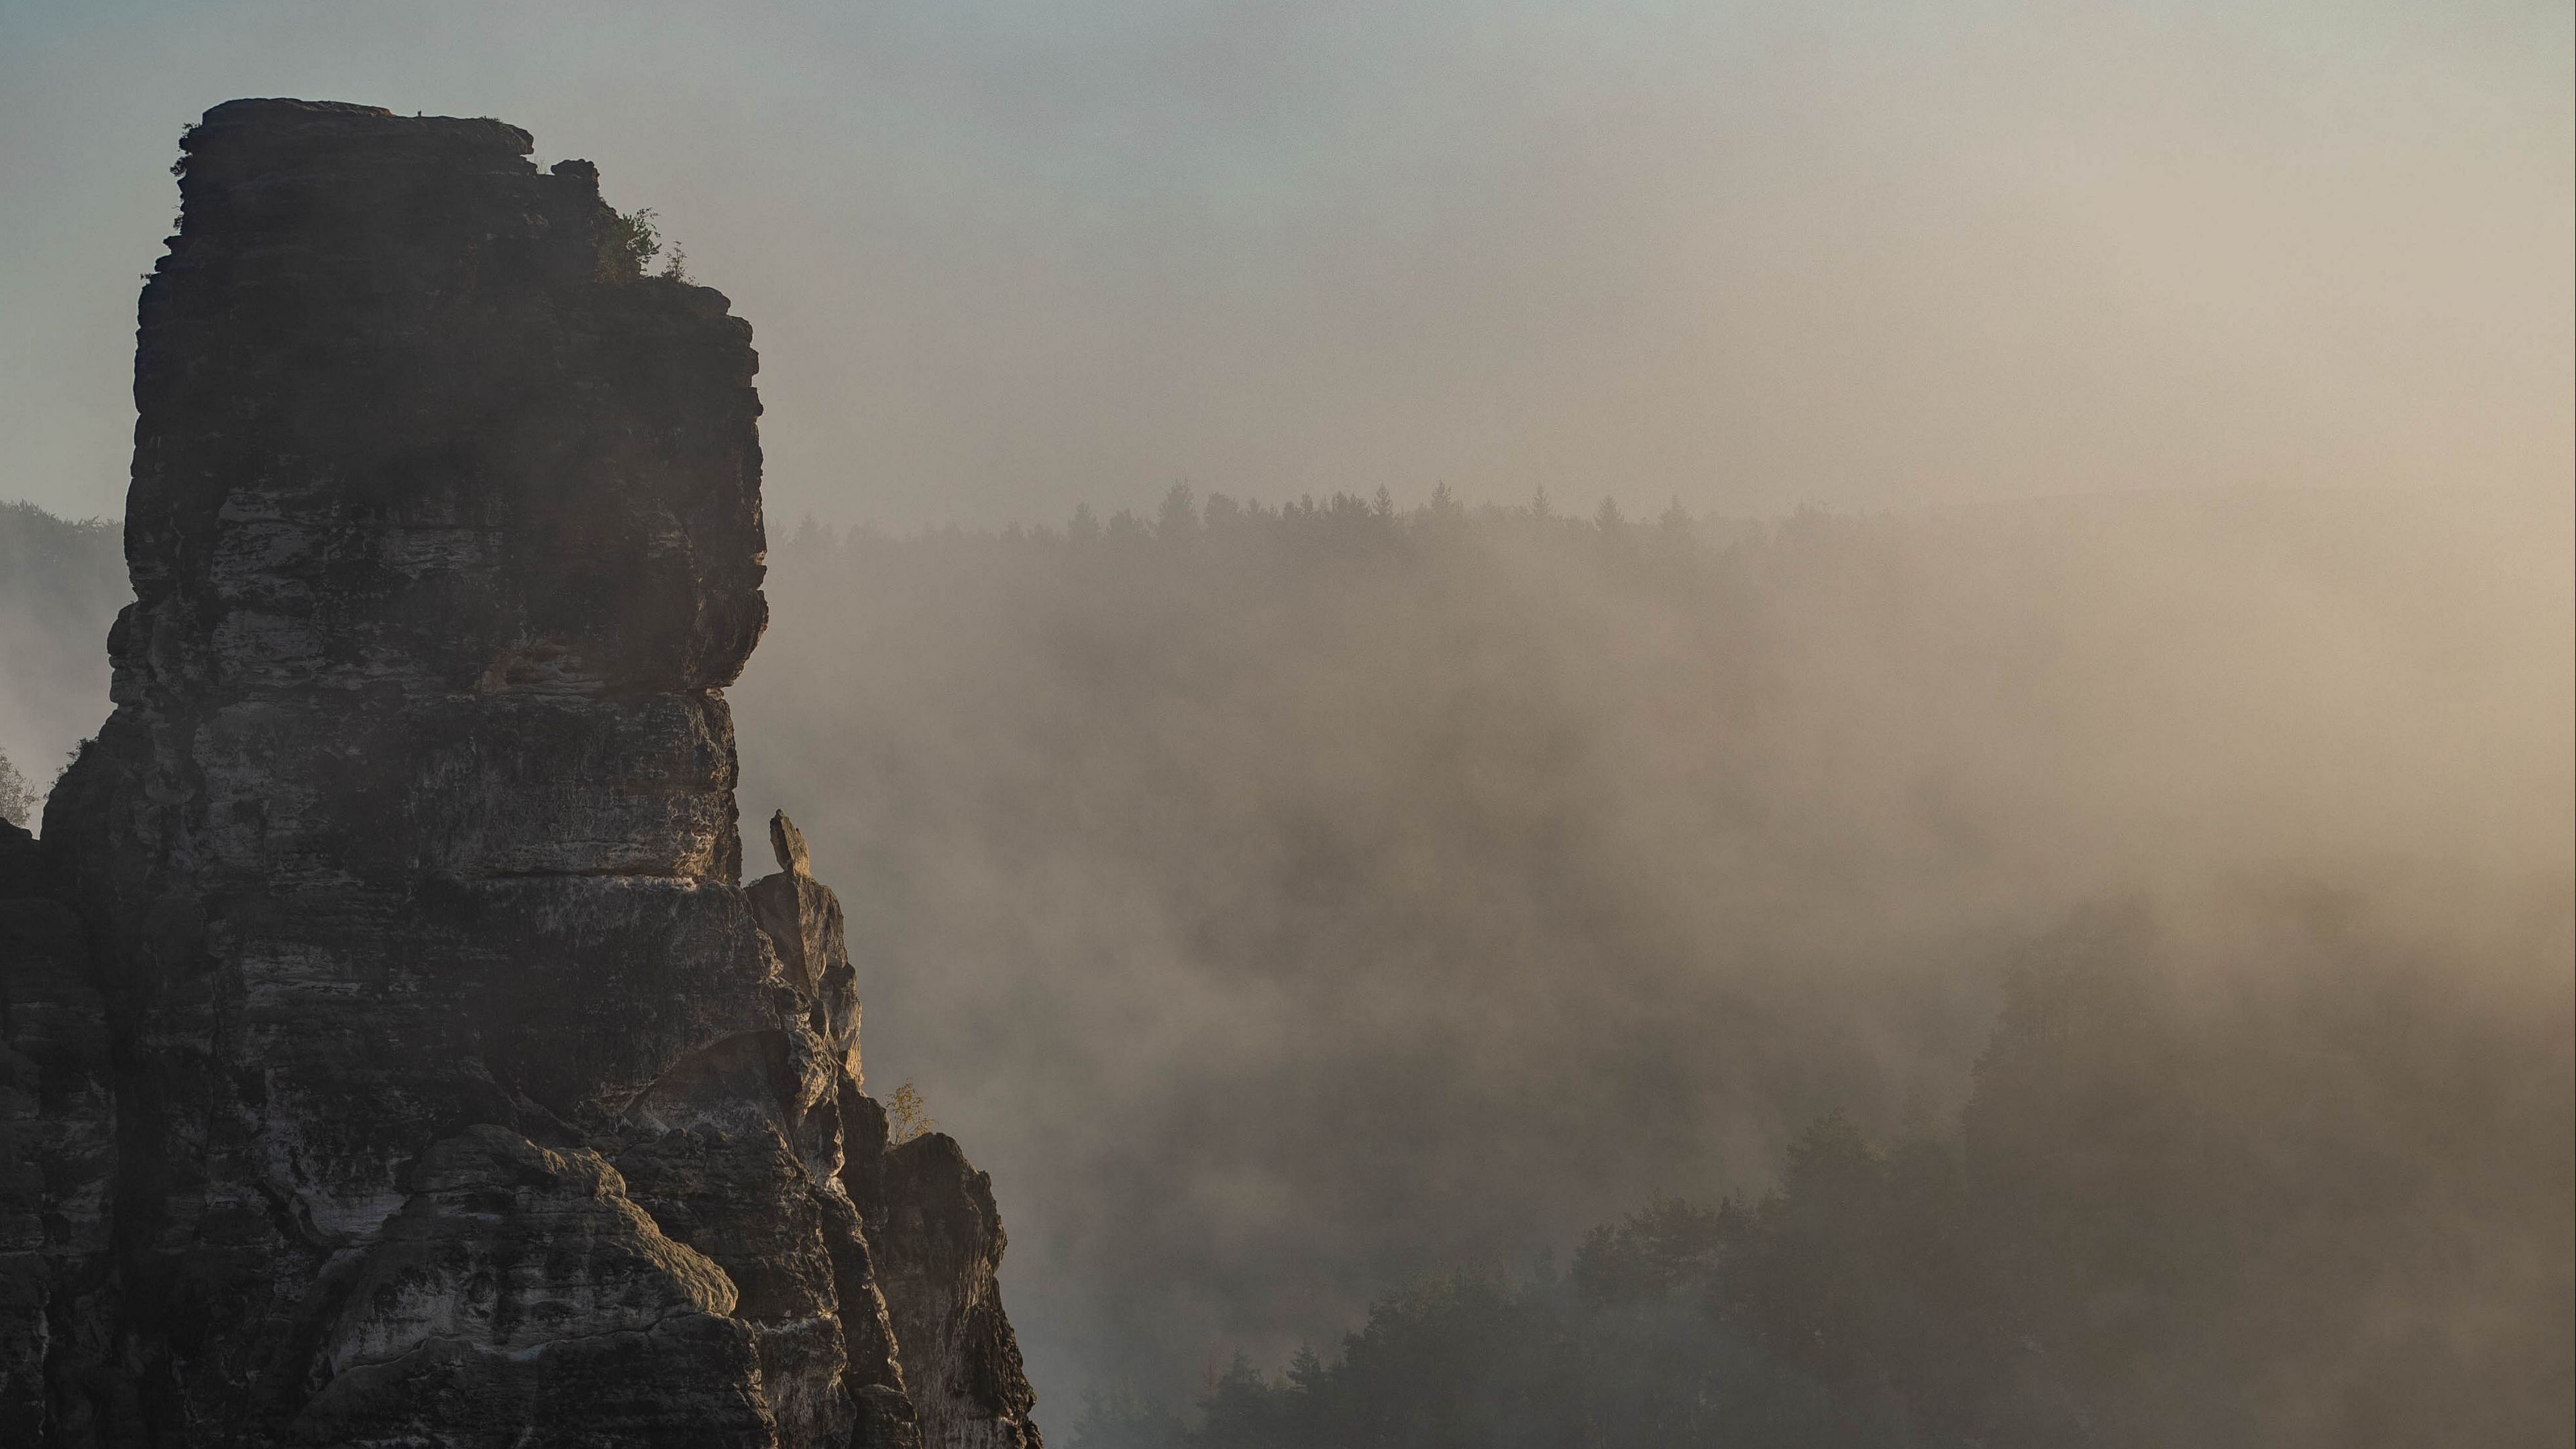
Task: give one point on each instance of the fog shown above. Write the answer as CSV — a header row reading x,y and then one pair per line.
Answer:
x,y
1285,906
2064,464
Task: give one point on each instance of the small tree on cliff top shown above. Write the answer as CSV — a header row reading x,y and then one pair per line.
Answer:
x,y
629,245
906,1118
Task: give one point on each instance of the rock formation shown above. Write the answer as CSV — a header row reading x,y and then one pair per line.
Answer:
x,y
392,1057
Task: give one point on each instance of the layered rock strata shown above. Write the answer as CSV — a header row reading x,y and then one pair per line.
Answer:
x,y
393,1056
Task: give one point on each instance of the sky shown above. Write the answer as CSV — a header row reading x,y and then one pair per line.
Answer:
x,y
1006,258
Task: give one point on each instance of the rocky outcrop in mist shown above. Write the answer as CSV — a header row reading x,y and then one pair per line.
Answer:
x,y
392,1056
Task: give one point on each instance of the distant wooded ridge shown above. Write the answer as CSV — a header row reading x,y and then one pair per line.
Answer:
x,y
2329,1211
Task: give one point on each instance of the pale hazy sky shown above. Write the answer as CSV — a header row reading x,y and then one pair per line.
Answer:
x,y
1005,257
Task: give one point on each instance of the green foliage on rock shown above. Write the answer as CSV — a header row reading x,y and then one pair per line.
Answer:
x,y
629,245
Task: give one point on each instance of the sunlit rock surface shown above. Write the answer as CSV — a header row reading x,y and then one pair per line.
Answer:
x,y
390,930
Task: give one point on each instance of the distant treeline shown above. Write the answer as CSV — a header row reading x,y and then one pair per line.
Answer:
x,y
61,583
1183,514
2333,1210
1309,525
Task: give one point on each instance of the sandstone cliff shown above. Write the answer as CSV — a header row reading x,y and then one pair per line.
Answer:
x,y
392,1056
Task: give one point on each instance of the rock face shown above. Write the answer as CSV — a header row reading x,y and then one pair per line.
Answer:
x,y
57,1148
940,1247
392,1057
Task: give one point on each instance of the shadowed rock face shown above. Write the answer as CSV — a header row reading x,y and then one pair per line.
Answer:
x,y
459,1095
57,1150
941,1244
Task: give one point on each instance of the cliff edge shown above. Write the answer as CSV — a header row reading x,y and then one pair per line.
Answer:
x,y
389,1054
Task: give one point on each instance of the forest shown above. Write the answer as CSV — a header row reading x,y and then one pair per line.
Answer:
x,y
1334,896
2332,1211
2086,970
